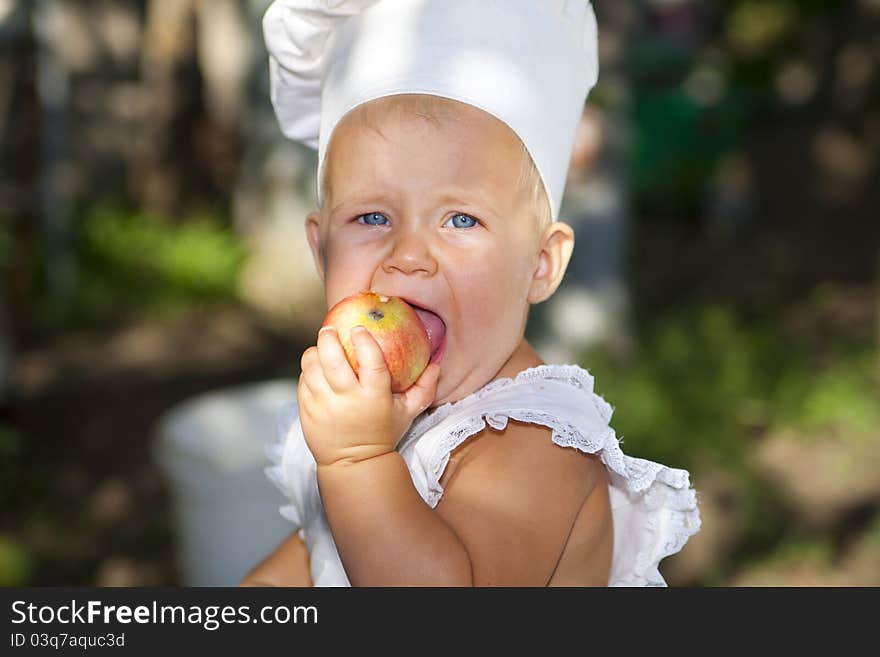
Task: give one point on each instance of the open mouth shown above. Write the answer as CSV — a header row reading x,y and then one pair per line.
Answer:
x,y
436,330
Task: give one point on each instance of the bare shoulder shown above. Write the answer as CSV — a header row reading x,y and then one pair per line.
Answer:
x,y
513,497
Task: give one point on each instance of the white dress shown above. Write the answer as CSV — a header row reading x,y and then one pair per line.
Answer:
x,y
654,508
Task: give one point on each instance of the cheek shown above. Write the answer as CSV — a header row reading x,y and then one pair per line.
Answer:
x,y
494,283
347,271
509,270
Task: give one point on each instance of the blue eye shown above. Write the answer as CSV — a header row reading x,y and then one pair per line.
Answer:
x,y
378,219
469,222
372,219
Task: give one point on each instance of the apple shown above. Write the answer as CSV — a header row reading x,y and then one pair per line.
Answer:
x,y
394,324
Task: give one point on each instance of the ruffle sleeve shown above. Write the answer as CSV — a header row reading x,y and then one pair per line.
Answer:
x,y
293,465
653,506
294,472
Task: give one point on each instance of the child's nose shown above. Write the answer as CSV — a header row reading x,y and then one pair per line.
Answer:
x,y
410,254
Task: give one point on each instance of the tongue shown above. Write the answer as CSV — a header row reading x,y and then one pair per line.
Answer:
x,y
434,326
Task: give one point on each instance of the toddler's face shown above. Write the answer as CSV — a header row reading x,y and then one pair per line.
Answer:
x,y
431,211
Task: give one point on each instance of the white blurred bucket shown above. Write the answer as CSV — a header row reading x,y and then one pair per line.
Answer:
x,y
211,449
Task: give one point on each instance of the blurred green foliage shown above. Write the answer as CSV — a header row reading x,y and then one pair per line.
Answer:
x,y
792,557
677,145
15,564
134,264
843,398
701,384
752,27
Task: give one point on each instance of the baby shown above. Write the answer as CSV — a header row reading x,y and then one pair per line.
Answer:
x,y
494,468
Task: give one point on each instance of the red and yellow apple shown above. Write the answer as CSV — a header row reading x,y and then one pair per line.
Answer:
x,y
396,327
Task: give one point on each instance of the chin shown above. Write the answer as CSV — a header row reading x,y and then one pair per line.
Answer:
x,y
444,394
440,397
451,392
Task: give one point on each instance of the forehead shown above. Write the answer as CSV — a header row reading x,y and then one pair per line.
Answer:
x,y
429,138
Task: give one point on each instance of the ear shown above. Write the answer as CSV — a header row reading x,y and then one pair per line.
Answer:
x,y
557,244
313,234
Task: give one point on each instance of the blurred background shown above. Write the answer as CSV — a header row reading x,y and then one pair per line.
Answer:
x,y
724,289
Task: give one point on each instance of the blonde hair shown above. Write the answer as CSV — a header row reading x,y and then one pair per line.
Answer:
x,y
436,109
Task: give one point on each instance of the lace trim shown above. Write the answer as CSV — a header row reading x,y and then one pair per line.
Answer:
x,y
602,443
573,375
680,521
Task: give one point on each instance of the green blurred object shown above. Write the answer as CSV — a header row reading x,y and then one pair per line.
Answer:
x,y
695,388
795,562
842,399
677,145
138,264
15,563
701,383
754,27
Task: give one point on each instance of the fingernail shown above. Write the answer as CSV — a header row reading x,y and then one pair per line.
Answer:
x,y
326,328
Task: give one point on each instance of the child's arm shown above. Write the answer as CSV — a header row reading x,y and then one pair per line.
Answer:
x,y
504,519
288,565
385,533
509,504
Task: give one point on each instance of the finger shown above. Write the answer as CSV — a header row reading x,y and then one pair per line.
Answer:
x,y
305,398
309,363
313,374
372,370
303,393
420,394
337,369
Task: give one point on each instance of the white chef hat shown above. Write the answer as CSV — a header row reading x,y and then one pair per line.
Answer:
x,y
529,63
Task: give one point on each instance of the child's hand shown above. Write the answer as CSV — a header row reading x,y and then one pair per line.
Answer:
x,y
346,417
